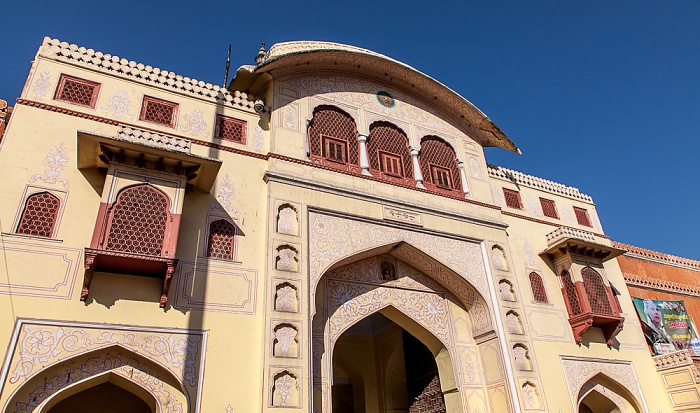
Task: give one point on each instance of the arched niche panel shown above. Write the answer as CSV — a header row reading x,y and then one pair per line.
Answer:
x,y
498,258
287,258
531,396
521,354
285,389
288,219
513,323
506,291
286,340
286,297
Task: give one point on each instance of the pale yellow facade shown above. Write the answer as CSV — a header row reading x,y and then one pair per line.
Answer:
x,y
288,321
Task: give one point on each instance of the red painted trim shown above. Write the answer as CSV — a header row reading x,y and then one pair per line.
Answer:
x,y
539,221
62,84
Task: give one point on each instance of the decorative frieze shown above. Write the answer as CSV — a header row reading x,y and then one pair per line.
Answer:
x,y
537,183
154,139
672,360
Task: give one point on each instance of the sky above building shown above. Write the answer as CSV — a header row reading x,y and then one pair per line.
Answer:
x,y
603,96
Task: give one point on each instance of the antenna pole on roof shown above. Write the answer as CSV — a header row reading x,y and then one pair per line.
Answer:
x,y
228,64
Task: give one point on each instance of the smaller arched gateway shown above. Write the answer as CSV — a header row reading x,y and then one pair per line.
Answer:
x,y
389,334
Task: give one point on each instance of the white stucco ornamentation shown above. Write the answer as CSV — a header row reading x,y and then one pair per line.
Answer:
x,y
119,104
531,399
258,139
42,84
287,220
225,193
333,238
530,260
283,388
285,337
55,162
286,299
531,206
286,259
195,124
578,371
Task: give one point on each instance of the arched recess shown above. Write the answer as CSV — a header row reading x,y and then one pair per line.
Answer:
x,y
92,368
602,394
423,299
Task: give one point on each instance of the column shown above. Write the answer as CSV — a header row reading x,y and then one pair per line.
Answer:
x,y
364,161
465,185
417,175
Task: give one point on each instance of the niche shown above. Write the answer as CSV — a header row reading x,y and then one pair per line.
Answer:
x,y
285,343
522,357
513,323
286,298
287,220
505,288
531,397
285,390
387,271
286,259
498,256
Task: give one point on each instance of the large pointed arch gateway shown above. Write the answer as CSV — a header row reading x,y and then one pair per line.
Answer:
x,y
396,289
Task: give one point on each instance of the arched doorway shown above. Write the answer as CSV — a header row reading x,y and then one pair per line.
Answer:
x,y
601,394
374,311
379,366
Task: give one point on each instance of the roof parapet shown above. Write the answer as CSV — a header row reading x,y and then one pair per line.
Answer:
x,y
496,171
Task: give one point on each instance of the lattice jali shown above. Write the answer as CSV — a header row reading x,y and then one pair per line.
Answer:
x,y
537,286
435,151
512,198
571,295
582,217
221,238
39,215
595,289
138,221
386,137
332,122
549,208
230,129
430,400
158,111
79,91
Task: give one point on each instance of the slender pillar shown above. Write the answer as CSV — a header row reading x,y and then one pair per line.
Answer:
x,y
417,175
307,148
465,185
364,161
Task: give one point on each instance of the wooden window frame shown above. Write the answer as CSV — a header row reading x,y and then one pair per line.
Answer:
x,y
383,156
62,83
509,192
342,144
582,217
144,105
552,205
434,170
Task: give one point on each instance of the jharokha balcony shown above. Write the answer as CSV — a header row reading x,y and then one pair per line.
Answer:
x,y
590,298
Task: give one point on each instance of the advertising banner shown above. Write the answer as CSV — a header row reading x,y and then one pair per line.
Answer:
x,y
666,325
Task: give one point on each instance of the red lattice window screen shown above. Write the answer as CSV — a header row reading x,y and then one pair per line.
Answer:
x,y
582,217
386,140
39,215
158,111
221,240
596,292
138,221
570,293
512,199
537,286
230,129
434,151
332,122
78,91
549,208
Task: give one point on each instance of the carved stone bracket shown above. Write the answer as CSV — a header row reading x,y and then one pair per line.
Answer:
x,y
128,263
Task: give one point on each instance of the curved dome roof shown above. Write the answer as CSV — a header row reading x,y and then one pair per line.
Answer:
x,y
314,56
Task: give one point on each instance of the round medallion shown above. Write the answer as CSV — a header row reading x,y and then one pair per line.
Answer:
x,y
385,99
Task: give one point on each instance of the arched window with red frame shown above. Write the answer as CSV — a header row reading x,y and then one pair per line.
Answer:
x,y
221,241
596,291
388,152
537,286
438,163
39,215
138,221
333,139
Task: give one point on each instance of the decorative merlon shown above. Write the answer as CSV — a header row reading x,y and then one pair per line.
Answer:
x,y
671,360
537,183
643,253
655,283
155,139
138,72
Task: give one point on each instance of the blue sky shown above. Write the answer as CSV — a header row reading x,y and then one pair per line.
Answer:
x,y
599,95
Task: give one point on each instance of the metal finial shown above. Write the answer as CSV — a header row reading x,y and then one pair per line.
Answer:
x,y
261,55
228,64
